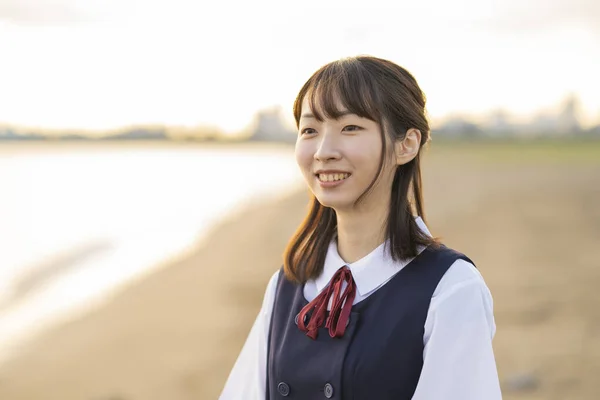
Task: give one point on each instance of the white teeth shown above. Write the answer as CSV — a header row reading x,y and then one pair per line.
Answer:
x,y
332,177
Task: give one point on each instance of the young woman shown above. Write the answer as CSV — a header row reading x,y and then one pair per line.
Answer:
x,y
367,305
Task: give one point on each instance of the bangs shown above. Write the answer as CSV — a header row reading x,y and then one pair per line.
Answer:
x,y
346,83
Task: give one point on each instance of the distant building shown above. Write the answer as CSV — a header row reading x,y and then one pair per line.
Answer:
x,y
8,134
12,134
269,126
457,127
568,118
498,123
563,122
138,134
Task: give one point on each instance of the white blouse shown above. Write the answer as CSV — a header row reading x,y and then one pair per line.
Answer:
x,y
458,358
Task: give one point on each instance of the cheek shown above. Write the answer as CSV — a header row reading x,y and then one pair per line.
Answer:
x,y
365,154
303,156
368,161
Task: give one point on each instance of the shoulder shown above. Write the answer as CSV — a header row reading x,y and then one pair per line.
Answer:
x,y
275,277
462,285
462,295
462,278
460,273
269,296
272,285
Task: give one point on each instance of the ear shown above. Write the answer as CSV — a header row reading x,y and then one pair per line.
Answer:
x,y
408,148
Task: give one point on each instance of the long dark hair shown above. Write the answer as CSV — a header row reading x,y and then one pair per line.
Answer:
x,y
386,93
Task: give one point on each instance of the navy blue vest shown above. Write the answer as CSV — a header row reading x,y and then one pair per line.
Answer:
x,y
381,354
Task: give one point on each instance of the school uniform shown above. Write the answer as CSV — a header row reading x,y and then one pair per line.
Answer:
x,y
418,329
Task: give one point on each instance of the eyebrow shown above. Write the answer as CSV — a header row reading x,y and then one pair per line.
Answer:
x,y
341,114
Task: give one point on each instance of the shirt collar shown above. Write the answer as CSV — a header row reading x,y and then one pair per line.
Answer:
x,y
370,271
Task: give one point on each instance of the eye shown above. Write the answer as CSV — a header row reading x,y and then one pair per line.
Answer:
x,y
306,130
353,127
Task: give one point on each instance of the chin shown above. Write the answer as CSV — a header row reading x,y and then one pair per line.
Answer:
x,y
335,203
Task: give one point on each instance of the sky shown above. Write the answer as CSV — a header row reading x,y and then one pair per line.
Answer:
x,y
104,64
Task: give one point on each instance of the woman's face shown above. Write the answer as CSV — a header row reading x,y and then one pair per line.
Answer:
x,y
348,150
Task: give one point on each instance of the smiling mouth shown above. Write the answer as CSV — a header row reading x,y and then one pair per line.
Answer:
x,y
332,177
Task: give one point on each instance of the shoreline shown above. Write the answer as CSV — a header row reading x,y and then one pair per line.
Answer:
x,y
58,266
131,327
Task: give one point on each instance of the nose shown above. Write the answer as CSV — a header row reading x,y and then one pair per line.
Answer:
x,y
327,148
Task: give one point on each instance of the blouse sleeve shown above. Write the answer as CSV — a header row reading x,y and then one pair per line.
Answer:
x,y
247,379
458,360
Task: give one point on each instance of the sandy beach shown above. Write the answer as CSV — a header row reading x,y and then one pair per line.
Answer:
x,y
530,220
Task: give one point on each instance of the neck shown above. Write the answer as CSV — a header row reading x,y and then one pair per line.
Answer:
x,y
359,233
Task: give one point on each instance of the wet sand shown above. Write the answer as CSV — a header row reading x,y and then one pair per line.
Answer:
x,y
531,224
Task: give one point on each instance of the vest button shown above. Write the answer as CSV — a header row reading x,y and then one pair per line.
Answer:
x,y
328,390
283,389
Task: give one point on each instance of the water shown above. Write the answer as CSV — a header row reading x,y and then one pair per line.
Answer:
x,y
78,222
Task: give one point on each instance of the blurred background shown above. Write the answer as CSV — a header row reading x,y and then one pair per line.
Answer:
x,y
148,184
